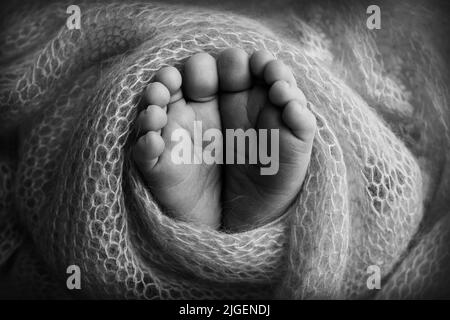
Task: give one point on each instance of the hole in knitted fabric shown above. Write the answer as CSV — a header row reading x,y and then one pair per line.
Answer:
x,y
400,177
377,175
382,191
367,173
377,205
416,134
371,160
326,137
100,153
387,182
86,153
113,250
372,190
334,151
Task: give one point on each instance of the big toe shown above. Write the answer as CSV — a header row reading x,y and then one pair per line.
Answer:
x,y
234,70
200,79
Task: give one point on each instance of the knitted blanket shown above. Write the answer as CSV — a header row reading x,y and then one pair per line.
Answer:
x,y
374,203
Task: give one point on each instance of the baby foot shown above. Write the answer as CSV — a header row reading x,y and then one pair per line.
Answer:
x,y
261,93
189,192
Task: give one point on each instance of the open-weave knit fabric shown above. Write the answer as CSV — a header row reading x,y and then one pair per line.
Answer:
x,y
376,191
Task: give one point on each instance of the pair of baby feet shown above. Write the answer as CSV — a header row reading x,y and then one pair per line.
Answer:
x,y
234,92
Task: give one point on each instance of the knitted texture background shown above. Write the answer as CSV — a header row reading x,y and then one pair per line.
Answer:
x,y
376,192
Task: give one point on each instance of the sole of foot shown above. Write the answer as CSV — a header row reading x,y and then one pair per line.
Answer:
x,y
189,192
260,92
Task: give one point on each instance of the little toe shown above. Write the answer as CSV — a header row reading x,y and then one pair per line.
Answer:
x,y
300,120
234,70
147,150
200,80
157,93
153,118
281,92
276,70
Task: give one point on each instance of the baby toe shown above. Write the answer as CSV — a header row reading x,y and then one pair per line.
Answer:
x,y
147,150
157,93
258,62
153,118
300,120
276,70
281,92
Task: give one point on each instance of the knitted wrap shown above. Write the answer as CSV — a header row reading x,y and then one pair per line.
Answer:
x,y
376,191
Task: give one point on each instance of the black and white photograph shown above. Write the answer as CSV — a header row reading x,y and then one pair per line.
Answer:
x,y
225,150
